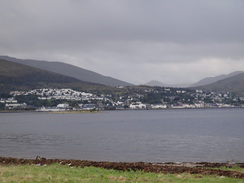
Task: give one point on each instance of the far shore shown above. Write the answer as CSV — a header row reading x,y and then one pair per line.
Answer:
x,y
73,112
53,112
95,111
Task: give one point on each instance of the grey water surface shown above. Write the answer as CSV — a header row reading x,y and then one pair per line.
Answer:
x,y
213,135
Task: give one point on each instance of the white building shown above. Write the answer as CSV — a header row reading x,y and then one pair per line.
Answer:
x,y
50,109
16,105
88,107
137,105
63,106
158,106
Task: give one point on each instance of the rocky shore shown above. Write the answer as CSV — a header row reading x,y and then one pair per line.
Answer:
x,y
202,168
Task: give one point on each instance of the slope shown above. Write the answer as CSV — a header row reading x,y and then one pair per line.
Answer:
x,y
155,83
233,84
210,80
158,83
71,71
14,76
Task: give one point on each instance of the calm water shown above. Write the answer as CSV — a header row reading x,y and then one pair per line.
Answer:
x,y
215,135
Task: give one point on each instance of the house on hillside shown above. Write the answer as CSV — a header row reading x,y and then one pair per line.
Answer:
x,y
88,107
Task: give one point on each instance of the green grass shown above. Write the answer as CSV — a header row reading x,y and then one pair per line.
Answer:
x,y
65,174
234,168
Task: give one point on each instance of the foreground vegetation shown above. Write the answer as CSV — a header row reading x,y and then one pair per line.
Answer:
x,y
65,173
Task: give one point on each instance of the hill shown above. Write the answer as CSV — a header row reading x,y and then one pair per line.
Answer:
x,y
210,80
154,83
158,83
70,70
14,76
233,84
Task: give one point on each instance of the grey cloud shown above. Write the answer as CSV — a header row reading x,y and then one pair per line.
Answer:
x,y
167,21
124,34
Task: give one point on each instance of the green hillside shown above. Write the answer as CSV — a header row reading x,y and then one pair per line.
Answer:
x,y
233,84
14,76
69,70
210,80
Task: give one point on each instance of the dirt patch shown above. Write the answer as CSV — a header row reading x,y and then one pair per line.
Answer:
x,y
202,168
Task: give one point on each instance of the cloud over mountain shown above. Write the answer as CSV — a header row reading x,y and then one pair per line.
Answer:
x,y
135,41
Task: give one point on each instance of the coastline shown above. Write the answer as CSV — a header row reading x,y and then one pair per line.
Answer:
x,y
73,112
203,168
52,112
97,111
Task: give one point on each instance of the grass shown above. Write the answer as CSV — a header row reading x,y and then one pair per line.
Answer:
x,y
65,174
234,168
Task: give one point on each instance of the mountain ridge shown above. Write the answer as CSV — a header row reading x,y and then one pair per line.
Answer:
x,y
210,80
15,76
69,70
233,84
202,82
160,84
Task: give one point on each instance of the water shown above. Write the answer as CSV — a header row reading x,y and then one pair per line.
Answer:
x,y
214,135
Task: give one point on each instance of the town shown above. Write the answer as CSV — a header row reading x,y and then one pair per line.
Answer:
x,y
134,98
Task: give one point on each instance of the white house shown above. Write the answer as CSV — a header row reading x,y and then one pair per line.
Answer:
x,y
88,107
63,106
15,105
137,105
158,106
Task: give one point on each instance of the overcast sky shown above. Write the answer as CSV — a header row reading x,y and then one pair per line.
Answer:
x,y
172,41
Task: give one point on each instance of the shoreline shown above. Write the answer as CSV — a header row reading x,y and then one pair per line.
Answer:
x,y
204,168
97,111
71,112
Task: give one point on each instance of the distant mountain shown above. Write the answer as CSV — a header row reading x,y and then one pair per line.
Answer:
x,y
70,70
154,83
233,84
14,76
210,80
158,83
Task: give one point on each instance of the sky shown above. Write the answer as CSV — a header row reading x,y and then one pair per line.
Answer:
x,y
171,41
